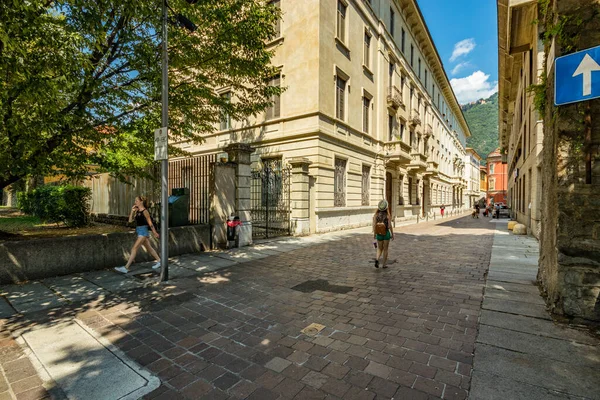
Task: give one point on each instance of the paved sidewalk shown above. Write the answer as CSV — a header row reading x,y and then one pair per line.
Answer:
x,y
233,325
520,353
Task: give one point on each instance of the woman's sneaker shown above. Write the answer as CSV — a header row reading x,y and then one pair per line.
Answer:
x,y
156,266
122,270
376,263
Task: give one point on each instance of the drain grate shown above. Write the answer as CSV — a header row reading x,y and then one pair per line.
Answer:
x,y
323,285
313,329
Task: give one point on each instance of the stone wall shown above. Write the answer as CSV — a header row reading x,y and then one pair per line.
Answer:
x,y
43,258
120,220
569,241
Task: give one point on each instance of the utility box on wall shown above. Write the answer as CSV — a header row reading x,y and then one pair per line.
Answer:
x,y
179,207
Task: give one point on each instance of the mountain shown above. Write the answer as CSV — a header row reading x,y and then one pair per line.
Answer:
x,y
482,117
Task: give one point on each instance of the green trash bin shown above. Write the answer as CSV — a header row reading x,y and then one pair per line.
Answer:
x,y
179,207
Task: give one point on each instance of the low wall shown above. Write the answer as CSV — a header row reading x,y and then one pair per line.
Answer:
x,y
42,258
122,220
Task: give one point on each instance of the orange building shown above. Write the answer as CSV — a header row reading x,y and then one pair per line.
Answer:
x,y
497,179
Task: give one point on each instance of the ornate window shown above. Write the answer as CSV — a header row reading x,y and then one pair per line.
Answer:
x,y
340,98
366,184
274,110
277,26
225,117
401,190
341,20
403,40
366,107
367,55
339,183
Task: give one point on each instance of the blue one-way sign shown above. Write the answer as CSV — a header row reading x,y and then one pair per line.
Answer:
x,y
577,76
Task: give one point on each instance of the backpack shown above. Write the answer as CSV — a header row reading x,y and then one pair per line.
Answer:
x,y
381,223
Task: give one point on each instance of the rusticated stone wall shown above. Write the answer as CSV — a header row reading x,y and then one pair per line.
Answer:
x,y
570,237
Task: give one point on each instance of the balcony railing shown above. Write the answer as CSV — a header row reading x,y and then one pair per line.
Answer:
x,y
419,161
415,117
428,130
433,167
397,151
394,97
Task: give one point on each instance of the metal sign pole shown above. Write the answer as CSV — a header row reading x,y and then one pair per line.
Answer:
x,y
164,198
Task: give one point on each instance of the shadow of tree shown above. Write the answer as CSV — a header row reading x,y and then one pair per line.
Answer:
x,y
219,330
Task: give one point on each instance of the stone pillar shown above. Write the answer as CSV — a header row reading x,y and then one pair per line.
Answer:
x,y
239,154
222,201
300,196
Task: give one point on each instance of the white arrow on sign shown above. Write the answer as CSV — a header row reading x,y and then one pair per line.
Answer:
x,y
586,67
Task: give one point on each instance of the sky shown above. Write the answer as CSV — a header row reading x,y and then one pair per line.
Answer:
x,y
466,36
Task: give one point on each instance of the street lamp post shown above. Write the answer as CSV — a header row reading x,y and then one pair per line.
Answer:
x,y
164,197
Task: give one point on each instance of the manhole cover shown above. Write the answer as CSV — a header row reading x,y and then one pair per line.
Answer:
x,y
323,285
313,329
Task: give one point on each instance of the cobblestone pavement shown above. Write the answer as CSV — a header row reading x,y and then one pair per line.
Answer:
x,y
406,332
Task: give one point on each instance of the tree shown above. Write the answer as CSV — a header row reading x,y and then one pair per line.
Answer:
x,y
81,79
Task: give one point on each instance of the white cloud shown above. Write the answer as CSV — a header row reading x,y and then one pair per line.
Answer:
x,y
473,87
460,67
462,48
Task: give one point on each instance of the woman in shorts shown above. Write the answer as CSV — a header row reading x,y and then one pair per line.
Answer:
x,y
143,226
382,232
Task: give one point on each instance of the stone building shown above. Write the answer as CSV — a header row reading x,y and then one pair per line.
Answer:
x,y
472,175
368,111
555,165
520,125
496,179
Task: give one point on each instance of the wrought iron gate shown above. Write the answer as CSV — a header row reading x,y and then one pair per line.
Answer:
x,y
270,198
194,173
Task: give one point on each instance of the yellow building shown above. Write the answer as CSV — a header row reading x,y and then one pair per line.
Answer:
x,y
367,104
483,180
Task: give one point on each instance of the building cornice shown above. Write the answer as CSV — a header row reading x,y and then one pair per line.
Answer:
x,y
418,27
516,32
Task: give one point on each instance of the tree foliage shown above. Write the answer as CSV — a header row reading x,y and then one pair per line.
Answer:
x,y
482,117
81,79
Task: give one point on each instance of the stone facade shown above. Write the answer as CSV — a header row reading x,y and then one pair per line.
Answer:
x,y
565,158
520,57
570,246
473,176
367,105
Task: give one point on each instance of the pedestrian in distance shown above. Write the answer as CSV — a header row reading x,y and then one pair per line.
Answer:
x,y
475,211
442,208
382,232
143,226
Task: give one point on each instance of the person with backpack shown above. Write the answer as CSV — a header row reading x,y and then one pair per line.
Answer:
x,y
143,225
382,232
